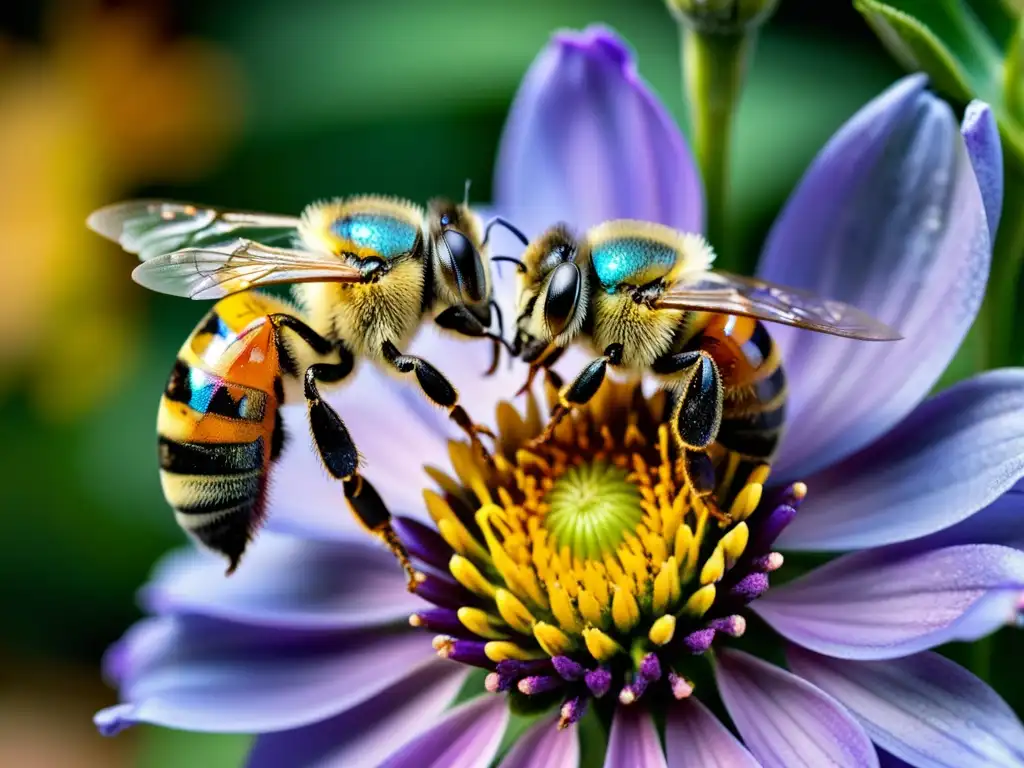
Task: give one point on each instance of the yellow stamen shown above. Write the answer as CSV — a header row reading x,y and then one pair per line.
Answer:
x,y
459,539
553,640
662,630
469,576
625,611
746,501
482,623
700,601
590,607
514,612
601,646
562,608
501,650
666,586
714,566
734,542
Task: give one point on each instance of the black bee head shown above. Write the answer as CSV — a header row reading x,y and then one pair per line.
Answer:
x,y
457,260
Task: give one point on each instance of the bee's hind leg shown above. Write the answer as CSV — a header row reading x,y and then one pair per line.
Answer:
x,y
438,389
696,419
340,458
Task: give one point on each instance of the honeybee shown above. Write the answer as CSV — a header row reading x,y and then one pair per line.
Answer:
x,y
642,297
367,272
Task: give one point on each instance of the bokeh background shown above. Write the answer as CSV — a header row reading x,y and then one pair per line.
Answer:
x,y
262,105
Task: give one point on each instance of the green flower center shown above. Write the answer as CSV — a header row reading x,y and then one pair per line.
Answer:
x,y
591,507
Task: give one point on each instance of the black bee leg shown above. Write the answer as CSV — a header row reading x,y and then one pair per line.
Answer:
x,y
542,363
580,390
370,510
696,419
438,389
340,458
461,320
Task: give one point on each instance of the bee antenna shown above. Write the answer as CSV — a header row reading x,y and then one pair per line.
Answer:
x,y
465,196
498,221
520,266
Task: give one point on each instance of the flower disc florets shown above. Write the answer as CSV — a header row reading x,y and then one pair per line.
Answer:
x,y
583,566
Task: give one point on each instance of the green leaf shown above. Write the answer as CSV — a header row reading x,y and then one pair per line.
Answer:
x,y
164,748
916,47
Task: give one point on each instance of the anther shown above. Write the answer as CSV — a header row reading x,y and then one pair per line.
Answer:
x,y
750,587
572,710
681,687
768,531
421,542
598,681
568,669
734,625
537,684
698,642
767,563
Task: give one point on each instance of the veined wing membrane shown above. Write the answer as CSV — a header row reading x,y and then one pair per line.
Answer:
x,y
152,228
199,273
737,295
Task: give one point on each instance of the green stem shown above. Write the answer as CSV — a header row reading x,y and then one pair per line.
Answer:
x,y
981,657
714,66
1000,312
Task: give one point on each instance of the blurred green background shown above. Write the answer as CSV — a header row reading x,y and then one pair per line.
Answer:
x,y
263,105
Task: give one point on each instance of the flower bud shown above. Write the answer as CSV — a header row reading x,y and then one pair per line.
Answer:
x,y
722,17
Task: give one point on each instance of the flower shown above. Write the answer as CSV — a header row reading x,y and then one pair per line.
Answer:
x,y
306,646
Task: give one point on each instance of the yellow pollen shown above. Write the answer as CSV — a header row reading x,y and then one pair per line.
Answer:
x,y
590,542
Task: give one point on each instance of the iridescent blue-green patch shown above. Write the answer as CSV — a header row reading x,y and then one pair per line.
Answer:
x,y
388,236
632,260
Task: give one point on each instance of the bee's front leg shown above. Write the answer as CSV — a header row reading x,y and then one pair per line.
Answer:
x,y
461,320
580,390
696,418
438,389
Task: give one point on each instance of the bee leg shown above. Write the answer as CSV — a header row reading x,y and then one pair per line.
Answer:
x,y
696,419
438,389
462,321
373,514
340,458
580,390
543,364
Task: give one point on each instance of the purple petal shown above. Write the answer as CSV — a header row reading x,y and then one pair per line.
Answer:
x,y
202,674
545,746
1001,522
468,737
981,134
633,742
955,454
889,218
923,709
587,140
886,603
287,582
367,734
694,738
786,722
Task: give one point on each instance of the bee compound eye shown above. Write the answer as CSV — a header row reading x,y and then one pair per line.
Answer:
x,y
563,296
461,260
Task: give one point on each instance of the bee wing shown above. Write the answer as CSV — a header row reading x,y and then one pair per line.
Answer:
x,y
731,294
212,273
152,228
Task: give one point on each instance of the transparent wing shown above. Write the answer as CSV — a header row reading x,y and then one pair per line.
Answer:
x,y
152,228
737,295
207,273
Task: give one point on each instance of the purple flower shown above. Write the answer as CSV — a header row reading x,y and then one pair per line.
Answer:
x,y
308,646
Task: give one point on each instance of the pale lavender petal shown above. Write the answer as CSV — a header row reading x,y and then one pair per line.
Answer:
x,y
365,735
923,709
954,455
634,742
587,140
287,582
890,219
1001,522
786,722
694,738
886,603
981,134
468,737
203,674
545,746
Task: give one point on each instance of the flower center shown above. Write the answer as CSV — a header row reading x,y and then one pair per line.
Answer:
x,y
592,506
584,564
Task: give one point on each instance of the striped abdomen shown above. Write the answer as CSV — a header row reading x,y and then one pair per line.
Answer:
x,y
754,384
219,426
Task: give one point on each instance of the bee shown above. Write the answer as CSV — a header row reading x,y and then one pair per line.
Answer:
x,y
366,272
643,298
